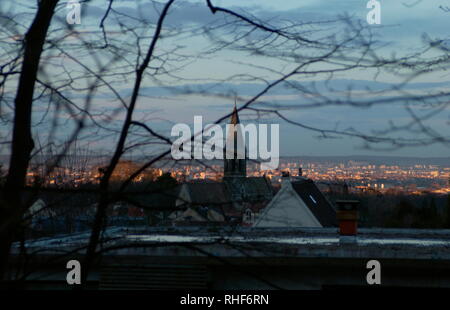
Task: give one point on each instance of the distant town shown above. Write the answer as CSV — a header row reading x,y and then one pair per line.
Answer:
x,y
380,174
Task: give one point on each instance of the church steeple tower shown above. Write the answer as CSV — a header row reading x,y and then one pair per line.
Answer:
x,y
234,116
236,166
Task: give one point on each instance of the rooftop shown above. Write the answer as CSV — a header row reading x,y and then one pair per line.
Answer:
x,y
411,244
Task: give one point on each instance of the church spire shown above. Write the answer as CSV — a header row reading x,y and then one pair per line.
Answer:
x,y
234,115
237,165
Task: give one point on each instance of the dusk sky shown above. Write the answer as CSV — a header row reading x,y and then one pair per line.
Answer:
x,y
225,73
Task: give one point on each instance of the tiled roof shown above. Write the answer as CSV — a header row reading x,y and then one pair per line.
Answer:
x,y
251,189
242,189
208,193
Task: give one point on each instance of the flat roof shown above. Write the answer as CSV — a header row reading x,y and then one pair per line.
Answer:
x,y
258,242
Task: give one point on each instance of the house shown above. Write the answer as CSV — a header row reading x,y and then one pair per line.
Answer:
x,y
198,215
203,202
299,203
39,209
220,203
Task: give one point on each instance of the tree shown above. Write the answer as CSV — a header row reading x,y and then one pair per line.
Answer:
x,y
166,181
22,143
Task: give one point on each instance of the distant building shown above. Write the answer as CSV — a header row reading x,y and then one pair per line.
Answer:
x,y
125,168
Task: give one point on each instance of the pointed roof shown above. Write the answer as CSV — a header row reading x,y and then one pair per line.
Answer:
x,y
235,138
234,116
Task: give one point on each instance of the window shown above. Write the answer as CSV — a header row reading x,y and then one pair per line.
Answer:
x,y
248,216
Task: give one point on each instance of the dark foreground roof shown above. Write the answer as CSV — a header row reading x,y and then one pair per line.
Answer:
x,y
278,242
238,258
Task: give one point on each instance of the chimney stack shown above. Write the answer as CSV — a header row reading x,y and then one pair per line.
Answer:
x,y
347,215
285,178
